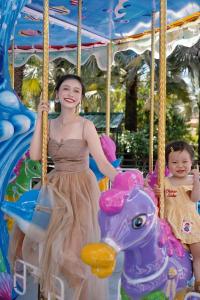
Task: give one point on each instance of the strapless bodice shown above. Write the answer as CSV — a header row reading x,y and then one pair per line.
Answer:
x,y
69,155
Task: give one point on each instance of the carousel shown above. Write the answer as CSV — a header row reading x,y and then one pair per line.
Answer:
x,y
155,265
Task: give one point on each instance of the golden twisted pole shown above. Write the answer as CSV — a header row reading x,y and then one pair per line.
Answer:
x,y
152,93
45,89
108,83
79,38
162,104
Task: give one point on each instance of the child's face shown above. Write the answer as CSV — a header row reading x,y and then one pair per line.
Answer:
x,y
179,163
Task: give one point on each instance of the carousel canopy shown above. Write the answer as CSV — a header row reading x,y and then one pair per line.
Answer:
x,y
101,20
126,22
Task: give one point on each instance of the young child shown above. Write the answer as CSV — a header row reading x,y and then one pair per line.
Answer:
x,y
182,191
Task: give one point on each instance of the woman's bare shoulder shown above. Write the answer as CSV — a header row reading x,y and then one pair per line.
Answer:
x,y
86,121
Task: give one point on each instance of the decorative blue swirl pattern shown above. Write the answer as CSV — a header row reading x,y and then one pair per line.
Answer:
x,y
16,122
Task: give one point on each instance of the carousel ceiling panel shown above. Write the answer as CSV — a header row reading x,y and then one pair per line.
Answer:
x,y
101,20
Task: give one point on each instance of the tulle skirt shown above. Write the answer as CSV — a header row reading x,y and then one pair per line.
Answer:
x,y
73,223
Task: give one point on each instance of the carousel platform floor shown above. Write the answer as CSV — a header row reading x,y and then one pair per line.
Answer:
x,y
113,284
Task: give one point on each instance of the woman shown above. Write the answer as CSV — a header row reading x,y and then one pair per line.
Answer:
x,y
75,189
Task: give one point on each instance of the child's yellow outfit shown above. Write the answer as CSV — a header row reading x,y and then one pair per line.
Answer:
x,y
181,213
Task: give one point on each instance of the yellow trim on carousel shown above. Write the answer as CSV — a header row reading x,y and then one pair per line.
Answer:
x,y
178,23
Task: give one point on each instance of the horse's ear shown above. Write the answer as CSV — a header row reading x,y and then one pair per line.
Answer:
x,y
112,201
134,192
128,180
151,193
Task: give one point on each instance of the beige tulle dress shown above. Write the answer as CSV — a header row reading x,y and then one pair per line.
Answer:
x,y
73,224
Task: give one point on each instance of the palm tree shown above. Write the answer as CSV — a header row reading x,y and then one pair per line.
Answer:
x,y
187,60
126,71
32,82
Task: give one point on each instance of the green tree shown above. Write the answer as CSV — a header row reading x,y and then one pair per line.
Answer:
x,y
32,82
186,60
18,79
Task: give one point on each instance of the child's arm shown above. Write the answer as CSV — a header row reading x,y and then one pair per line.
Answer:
x,y
195,194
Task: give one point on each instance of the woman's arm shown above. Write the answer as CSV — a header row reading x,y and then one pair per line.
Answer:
x,y
36,142
96,151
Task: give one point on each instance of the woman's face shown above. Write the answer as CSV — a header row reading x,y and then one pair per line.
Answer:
x,y
179,163
70,93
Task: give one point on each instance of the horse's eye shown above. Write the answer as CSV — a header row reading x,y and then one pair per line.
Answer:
x,y
139,221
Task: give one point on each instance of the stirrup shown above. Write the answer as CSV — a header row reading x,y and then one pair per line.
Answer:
x,y
22,276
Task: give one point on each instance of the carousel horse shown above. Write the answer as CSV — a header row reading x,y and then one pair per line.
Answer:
x,y
109,149
156,265
152,177
25,170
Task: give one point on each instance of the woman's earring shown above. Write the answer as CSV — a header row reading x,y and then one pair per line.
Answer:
x,y
57,100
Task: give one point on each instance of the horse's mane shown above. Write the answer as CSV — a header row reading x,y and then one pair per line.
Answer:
x,y
167,239
20,162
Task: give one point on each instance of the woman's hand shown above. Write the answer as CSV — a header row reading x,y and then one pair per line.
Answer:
x,y
43,106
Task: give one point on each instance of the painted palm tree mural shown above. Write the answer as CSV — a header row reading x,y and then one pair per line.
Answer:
x,y
16,126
